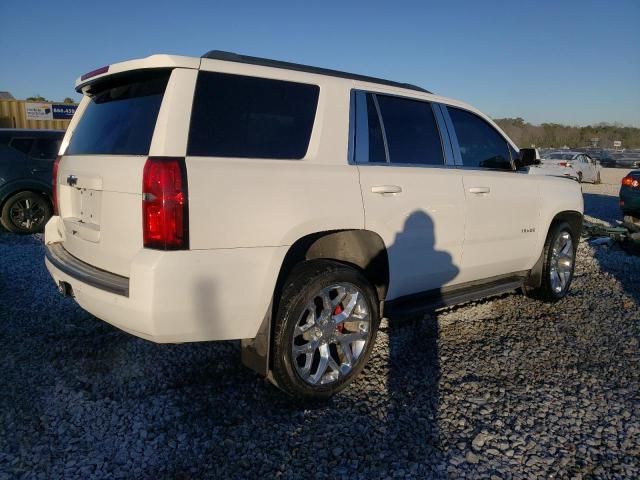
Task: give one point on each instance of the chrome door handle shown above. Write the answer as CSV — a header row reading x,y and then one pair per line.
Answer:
x,y
382,189
479,190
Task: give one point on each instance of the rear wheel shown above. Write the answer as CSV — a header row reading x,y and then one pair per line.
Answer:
x,y
558,266
580,177
26,212
325,329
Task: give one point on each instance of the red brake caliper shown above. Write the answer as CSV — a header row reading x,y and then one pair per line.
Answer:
x,y
337,311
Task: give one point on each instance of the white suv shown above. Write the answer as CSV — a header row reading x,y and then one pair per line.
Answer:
x,y
233,197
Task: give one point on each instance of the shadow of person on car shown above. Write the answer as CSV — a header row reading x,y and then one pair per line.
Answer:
x,y
413,364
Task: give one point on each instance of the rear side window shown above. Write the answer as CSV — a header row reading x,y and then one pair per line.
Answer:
x,y
22,144
45,148
250,117
408,129
121,116
411,131
481,146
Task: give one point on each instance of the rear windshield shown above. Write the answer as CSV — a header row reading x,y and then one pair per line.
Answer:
x,y
121,116
250,117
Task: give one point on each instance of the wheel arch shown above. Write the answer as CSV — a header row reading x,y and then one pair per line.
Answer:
x,y
574,219
11,189
362,249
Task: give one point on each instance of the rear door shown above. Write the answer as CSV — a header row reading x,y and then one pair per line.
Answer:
x,y
502,204
412,198
100,173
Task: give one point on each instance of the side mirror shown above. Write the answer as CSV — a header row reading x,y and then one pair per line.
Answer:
x,y
527,157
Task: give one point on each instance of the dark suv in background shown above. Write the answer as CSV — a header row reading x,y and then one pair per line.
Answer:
x,y
26,163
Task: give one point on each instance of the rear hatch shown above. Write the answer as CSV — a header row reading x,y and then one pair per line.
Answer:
x,y
100,173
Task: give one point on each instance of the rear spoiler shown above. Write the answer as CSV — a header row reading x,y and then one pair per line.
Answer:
x,y
154,61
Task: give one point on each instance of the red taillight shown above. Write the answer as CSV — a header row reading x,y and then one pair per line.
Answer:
x,y
54,185
165,216
563,164
630,181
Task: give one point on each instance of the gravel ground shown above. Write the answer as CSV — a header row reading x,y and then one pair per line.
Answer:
x,y
504,388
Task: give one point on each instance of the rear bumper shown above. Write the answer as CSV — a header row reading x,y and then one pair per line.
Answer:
x,y
181,296
83,272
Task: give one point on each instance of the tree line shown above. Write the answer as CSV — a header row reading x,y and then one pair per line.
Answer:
x,y
555,135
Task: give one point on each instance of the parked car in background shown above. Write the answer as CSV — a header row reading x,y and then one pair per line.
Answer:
x,y
630,195
586,168
26,163
623,160
233,197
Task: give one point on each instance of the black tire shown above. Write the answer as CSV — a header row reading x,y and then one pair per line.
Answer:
x,y
26,212
304,286
547,291
579,177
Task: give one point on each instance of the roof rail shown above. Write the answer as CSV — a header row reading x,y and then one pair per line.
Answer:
x,y
265,62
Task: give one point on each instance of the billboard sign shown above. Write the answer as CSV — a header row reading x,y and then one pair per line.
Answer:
x,y
49,111
38,111
63,111
617,143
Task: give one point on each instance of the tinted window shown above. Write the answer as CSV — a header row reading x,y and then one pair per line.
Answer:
x,y
22,144
45,148
480,144
411,130
238,116
121,116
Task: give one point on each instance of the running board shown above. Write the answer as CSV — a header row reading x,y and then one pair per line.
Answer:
x,y
449,296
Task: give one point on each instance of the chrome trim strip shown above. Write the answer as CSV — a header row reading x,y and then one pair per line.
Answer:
x,y
452,136
352,128
85,273
445,139
384,132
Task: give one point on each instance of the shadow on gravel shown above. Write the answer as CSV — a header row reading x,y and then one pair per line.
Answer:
x,y
414,360
85,400
604,207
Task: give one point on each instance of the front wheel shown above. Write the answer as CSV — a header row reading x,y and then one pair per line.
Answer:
x,y
325,329
559,262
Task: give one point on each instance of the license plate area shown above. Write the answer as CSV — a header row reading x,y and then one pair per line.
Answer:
x,y
84,221
89,206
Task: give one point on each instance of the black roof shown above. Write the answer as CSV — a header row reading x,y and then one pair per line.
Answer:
x,y
265,62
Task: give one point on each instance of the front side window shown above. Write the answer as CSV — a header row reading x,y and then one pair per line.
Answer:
x,y
481,146
251,117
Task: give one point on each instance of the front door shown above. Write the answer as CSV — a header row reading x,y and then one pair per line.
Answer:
x,y
502,204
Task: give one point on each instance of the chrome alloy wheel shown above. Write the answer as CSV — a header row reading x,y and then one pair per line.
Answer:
x,y
331,334
561,262
27,214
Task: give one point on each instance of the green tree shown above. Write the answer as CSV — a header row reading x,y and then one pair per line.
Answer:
x,y
37,98
68,100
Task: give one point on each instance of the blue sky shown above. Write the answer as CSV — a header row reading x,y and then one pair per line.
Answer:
x,y
574,62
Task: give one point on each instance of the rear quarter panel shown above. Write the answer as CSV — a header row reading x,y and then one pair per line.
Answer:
x,y
238,202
